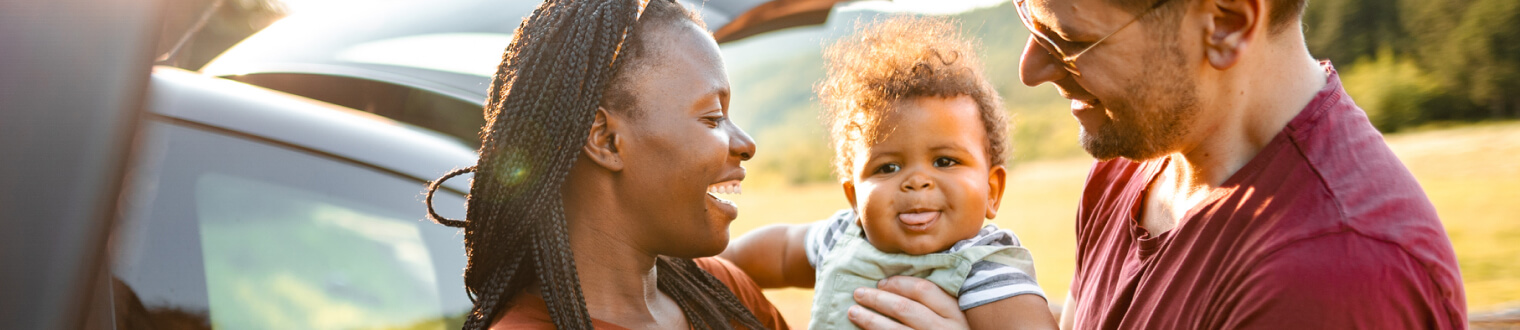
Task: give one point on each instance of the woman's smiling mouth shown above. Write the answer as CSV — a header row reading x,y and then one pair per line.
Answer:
x,y
728,207
731,187
918,221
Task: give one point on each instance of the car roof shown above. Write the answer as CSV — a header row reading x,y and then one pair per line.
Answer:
x,y
230,107
449,47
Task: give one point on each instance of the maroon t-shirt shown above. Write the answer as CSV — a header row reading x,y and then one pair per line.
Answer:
x,y
1324,228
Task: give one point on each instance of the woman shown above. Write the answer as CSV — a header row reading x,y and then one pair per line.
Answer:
x,y
606,125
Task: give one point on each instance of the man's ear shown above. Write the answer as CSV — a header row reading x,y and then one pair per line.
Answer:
x,y
603,145
997,177
1234,25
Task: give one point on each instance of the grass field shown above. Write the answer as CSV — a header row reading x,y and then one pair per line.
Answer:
x,y
1471,174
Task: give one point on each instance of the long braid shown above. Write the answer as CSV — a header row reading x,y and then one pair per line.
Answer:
x,y
543,98
707,303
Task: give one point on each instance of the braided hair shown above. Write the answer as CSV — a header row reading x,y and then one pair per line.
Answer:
x,y
566,59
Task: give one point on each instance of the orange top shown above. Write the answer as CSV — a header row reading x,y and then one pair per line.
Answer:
x,y
529,312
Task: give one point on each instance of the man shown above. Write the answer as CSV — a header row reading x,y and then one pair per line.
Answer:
x,y
1237,186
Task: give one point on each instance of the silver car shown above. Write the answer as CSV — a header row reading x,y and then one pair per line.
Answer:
x,y
280,187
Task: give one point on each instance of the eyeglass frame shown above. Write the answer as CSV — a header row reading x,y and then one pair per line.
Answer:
x,y
1069,62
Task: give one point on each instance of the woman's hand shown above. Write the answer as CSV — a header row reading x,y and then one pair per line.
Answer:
x,y
917,303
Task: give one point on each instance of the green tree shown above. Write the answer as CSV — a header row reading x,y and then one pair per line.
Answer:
x,y
1481,56
1392,89
1346,30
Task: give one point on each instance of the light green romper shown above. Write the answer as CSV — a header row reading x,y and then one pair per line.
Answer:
x,y
854,263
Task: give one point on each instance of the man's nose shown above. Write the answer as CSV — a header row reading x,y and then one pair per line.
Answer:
x,y
1038,65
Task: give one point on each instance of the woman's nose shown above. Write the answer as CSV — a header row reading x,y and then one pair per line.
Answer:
x,y
1037,65
740,144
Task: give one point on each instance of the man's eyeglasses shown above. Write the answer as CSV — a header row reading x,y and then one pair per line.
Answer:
x,y
1068,58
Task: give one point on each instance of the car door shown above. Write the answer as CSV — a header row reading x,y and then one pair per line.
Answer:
x,y
233,229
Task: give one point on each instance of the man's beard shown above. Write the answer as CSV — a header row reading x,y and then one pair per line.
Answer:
x,y
1153,119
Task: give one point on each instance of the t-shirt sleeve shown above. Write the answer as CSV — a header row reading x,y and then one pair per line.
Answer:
x,y
745,289
1338,281
990,281
821,235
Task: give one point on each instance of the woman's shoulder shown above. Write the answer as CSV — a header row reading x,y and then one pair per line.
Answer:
x,y
528,311
736,280
743,288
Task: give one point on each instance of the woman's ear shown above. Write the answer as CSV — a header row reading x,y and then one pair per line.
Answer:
x,y
997,177
603,145
1234,24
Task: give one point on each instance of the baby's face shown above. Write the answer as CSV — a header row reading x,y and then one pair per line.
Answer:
x,y
927,183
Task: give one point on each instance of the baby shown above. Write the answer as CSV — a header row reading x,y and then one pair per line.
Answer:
x,y
920,141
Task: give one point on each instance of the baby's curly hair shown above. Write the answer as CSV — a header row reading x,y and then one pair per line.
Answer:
x,y
893,60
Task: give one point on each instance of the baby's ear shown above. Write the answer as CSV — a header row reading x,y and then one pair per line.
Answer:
x,y
997,177
849,193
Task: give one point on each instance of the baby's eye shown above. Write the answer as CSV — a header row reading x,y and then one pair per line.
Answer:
x,y
944,162
888,169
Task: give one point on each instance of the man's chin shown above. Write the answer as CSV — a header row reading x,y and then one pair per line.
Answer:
x,y
1095,147
1106,148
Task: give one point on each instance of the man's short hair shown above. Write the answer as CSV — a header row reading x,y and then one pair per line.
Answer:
x,y
900,58
1285,13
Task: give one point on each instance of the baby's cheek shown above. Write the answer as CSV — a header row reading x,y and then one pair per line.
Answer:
x,y
877,201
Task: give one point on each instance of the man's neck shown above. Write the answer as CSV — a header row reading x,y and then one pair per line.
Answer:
x,y
1247,106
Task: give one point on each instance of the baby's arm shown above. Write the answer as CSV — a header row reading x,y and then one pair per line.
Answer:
x,y
774,256
1025,311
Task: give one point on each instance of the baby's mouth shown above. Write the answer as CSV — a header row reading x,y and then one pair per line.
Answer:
x,y
918,220
724,188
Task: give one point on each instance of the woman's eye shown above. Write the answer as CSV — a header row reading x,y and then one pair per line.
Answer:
x,y
714,121
888,169
944,162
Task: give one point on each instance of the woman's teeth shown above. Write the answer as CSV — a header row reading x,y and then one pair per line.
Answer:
x,y
727,188
724,188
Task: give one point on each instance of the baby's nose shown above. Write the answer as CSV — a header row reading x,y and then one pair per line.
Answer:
x,y
917,182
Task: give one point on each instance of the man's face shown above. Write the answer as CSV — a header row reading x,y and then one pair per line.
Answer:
x,y
1137,96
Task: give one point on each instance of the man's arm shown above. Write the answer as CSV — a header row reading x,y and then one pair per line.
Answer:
x,y
906,302
774,256
1025,311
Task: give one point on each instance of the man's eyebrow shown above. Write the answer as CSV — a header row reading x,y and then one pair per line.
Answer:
x,y
1062,31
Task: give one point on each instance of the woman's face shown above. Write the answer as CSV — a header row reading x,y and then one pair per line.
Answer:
x,y
679,144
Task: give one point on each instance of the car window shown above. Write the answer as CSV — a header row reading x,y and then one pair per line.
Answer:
x,y
233,232
417,106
